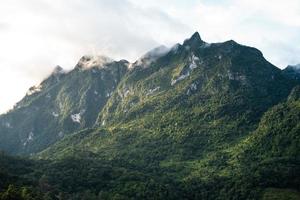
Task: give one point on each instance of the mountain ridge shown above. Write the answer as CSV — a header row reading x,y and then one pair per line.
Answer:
x,y
193,56
196,121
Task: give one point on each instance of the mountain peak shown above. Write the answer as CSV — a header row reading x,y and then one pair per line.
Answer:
x,y
58,70
196,35
194,40
90,61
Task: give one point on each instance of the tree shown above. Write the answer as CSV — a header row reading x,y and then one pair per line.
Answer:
x,y
11,193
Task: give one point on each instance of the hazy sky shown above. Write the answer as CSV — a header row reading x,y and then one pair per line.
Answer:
x,y
36,35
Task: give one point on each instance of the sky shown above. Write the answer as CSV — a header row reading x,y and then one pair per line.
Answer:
x,y
37,35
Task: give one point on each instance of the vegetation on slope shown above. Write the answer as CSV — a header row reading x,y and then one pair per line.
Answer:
x,y
204,121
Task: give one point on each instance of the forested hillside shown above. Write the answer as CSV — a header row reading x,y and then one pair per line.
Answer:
x,y
196,121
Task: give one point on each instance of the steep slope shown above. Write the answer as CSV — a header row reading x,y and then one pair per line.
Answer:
x,y
278,132
271,154
61,104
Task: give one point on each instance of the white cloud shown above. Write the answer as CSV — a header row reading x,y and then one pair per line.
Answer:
x,y
36,35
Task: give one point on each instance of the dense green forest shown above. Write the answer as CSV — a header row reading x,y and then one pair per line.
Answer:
x,y
200,121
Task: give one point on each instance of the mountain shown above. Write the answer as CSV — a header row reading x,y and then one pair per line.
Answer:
x,y
292,71
199,73
63,103
196,121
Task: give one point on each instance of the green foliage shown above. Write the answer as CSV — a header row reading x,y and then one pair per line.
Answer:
x,y
201,122
44,117
280,194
